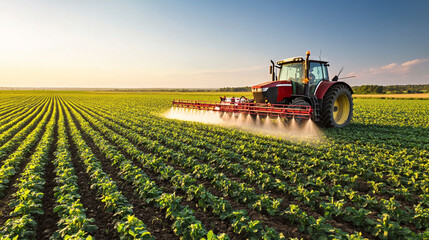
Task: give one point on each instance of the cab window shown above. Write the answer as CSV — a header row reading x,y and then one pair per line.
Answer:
x,y
317,73
292,72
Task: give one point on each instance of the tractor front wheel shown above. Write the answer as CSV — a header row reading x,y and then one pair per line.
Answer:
x,y
299,103
337,109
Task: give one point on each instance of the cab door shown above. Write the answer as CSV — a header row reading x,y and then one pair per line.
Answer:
x,y
317,73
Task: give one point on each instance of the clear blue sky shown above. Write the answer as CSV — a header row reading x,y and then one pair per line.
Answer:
x,y
207,43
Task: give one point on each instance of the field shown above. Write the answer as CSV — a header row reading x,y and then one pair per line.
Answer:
x,y
392,96
82,165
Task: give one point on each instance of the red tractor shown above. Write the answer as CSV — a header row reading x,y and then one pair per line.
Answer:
x,y
300,90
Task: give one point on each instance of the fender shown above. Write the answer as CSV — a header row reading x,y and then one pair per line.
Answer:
x,y
323,87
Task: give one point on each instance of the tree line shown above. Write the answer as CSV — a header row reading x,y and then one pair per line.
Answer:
x,y
396,89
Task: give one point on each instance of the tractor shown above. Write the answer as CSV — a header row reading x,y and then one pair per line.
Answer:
x,y
299,89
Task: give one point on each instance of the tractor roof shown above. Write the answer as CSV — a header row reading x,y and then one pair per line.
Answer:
x,y
297,59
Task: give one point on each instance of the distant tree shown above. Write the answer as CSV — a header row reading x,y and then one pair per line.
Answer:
x,y
366,89
396,89
235,89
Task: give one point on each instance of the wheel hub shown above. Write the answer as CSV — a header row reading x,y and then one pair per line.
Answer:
x,y
341,109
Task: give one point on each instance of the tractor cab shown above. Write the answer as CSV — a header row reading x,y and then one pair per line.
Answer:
x,y
296,79
293,69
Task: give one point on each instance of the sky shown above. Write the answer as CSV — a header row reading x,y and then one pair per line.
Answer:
x,y
207,44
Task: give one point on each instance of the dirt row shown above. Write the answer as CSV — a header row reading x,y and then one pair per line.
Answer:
x,y
276,222
47,222
154,219
336,222
5,209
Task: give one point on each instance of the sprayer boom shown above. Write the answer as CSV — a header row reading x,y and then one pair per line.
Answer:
x,y
273,110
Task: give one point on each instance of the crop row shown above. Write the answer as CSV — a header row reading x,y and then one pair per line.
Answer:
x,y
255,173
11,164
8,130
308,165
185,224
332,208
343,155
391,206
15,114
12,105
238,191
73,223
27,199
373,183
10,143
337,162
127,225
239,222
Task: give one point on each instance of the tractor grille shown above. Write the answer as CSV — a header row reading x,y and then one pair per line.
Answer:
x,y
259,97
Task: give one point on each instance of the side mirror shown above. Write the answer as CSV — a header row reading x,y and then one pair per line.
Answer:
x,y
271,69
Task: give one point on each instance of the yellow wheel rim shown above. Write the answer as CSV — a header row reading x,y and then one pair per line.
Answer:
x,y
341,109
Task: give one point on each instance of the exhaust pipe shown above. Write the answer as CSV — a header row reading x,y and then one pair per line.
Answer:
x,y
273,71
306,74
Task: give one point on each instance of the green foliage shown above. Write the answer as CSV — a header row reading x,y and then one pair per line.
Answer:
x,y
235,89
396,89
371,176
364,89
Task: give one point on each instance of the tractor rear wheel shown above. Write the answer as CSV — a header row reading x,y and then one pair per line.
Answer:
x,y
337,109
